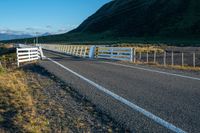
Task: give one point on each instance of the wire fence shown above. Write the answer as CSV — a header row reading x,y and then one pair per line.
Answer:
x,y
169,57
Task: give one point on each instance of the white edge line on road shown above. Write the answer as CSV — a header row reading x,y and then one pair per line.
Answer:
x,y
126,102
156,71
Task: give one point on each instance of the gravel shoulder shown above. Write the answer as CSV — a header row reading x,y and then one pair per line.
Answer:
x,y
66,110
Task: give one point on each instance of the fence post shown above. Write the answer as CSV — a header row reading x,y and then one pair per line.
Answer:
x,y
29,54
133,55
17,57
172,58
194,59
155,56
182,59
164,59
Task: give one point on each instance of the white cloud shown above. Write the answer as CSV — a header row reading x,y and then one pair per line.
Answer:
x,y
38,30
66,29
9,31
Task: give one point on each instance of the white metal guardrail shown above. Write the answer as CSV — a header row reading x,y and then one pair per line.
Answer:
x,y
23,46
134,54
116,53
76,50
27,53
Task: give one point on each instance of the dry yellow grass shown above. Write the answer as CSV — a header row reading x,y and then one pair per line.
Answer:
x,y
15,97
190,68
178,67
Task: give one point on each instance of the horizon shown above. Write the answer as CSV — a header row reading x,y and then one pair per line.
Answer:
x,y
36,17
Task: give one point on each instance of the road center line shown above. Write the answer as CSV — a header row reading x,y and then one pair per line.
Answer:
x,y
124,101
156,71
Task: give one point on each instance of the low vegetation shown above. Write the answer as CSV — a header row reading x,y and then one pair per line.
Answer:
x,y
17,110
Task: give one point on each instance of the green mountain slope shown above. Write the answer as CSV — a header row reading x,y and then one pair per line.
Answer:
x,y
145,18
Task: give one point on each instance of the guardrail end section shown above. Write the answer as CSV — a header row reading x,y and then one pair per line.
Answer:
x,y
41,53
92,52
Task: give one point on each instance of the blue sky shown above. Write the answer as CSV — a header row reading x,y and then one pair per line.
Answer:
x,y
54,16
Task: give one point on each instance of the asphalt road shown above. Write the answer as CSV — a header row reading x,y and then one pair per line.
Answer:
x,y
174,99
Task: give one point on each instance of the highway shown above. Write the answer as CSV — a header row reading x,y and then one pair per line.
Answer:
x,y
141,98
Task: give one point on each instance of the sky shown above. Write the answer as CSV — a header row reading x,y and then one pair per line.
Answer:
x,y
41,16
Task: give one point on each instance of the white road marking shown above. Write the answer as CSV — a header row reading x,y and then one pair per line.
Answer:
x,y
156,71
124,101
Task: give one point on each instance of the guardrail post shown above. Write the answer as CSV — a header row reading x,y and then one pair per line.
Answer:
x,y
68,47
29,54
41,52
92,52
85,52
77,51
71,49
81,52
133,55
17,57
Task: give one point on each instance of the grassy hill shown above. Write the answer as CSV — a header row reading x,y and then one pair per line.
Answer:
x,y
167,21
145,18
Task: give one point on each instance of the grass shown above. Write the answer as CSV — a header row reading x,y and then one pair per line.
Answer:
x,y
17,106
188,68
16,99
2,70
177,67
